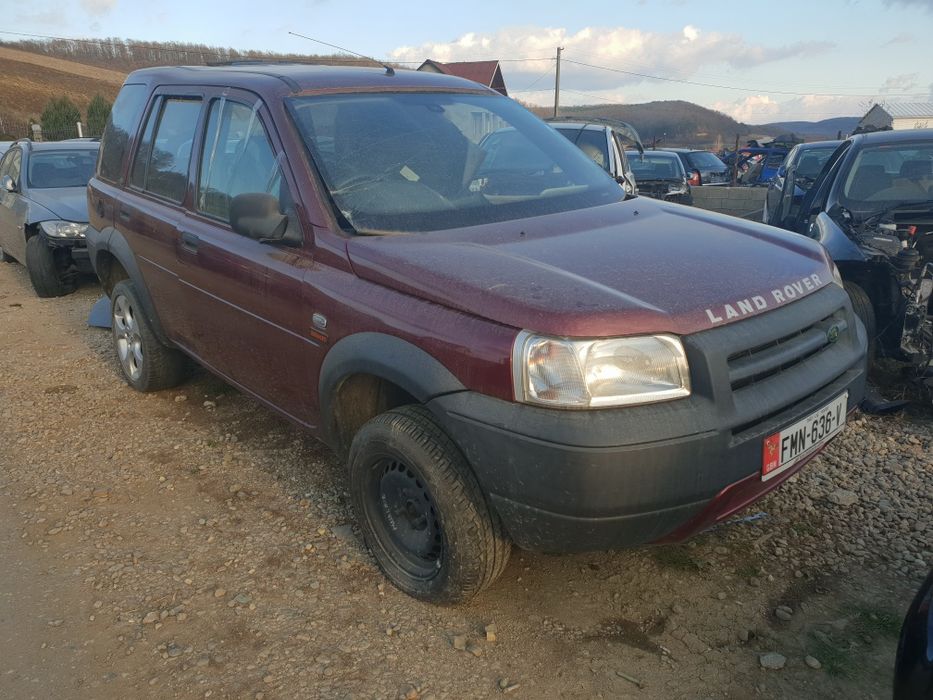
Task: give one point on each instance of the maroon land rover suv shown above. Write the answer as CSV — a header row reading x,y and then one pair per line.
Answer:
x,y
504,344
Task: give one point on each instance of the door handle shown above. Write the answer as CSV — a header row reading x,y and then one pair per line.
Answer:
x,y
124,214
189,240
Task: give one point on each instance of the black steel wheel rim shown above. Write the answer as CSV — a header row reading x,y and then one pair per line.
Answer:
x,y
403,518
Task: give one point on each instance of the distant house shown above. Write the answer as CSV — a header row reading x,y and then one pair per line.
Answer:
x,y
897,116
486,73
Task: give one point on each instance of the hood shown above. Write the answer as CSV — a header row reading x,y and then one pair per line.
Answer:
x,y
639,266
67,203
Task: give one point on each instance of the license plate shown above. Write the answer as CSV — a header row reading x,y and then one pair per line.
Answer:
x,y
782,450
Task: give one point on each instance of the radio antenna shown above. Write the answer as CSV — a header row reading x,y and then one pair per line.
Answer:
x,y
389,69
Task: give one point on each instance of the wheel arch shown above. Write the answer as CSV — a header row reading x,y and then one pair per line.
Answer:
x,y
366,374
113,260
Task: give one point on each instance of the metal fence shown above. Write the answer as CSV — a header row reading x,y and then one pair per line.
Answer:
x,y
12,130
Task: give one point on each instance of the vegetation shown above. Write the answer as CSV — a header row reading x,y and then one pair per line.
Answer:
x,y
97,112
60,116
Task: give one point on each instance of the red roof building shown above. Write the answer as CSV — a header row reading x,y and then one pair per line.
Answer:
x,y
486,73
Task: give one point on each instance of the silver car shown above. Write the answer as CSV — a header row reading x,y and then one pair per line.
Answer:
x,y
43,211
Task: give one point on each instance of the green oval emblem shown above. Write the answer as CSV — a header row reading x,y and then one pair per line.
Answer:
x,y
832,335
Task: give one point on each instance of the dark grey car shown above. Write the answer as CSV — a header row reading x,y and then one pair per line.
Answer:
x,y
43,211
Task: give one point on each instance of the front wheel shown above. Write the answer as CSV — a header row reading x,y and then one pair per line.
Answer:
x,y
50,270
862,306
147,364
422,512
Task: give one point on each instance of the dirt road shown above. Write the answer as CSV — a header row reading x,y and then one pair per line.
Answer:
x,y
190,544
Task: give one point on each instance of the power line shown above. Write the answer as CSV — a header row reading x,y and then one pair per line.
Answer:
x,y
733,87
712,76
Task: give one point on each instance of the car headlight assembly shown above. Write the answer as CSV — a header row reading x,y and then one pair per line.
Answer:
x,y
600,373
63,229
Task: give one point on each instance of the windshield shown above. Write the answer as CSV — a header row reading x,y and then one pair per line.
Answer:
x,y
590,141
886,175
704,160
71,168
655,165
415,162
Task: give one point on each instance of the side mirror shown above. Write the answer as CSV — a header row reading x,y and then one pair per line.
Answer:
x,y
256,215
782,171
7,184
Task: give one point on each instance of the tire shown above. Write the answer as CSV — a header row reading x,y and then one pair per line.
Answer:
x,y
862,306
6,257
422,512
49,269
146,363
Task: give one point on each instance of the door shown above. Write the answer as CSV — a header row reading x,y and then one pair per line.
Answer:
x,y
244,311
151,207
12,207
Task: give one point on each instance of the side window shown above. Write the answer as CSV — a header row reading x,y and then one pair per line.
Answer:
x,y
16,161
161,165
237,159
5,163
123,118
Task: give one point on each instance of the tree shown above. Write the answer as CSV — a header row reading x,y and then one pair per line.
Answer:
x,y
97,112
59,118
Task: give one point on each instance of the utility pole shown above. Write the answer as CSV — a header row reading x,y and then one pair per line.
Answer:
x,y
557,82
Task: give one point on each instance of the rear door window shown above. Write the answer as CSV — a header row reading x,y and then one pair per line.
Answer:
x,y
164,154
120,126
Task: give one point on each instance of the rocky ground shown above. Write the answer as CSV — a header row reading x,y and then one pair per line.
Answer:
x,y
191,544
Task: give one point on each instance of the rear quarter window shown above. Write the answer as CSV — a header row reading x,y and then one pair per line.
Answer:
x,y
120,126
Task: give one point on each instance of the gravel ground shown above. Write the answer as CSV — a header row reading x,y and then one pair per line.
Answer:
x,y
191,544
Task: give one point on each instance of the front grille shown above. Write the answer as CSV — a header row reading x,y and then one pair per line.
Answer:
x,y
763,361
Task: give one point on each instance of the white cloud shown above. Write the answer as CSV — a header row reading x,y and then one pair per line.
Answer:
x,y
754,109
633,52
900,83
98,7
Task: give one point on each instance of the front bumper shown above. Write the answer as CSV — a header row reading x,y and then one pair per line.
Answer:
x,y
612,478
77,247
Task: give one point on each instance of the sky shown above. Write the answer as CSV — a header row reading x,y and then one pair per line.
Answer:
x,y
756,61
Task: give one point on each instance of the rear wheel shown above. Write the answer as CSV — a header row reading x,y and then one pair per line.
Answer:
x,y
147,364
422,512
862,306
50,270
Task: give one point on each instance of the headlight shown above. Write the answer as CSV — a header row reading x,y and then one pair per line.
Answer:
x,y
63,229
837,276
566,373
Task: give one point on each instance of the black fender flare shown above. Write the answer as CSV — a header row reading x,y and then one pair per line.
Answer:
x,y
385,356
111,241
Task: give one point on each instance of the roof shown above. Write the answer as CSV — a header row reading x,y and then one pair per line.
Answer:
x,y
485,73
577,125
900,110
880,137
292,78
818,144
67,145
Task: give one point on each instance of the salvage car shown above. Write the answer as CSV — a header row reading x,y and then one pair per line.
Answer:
x,y
43,211
661,175
703,168
872,208
605,142
503,350
807,161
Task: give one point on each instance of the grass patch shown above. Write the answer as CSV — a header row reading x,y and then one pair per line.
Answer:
x,y
838,661
871,621
674,557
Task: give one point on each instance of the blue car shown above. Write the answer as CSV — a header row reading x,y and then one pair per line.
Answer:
x,y
806,160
